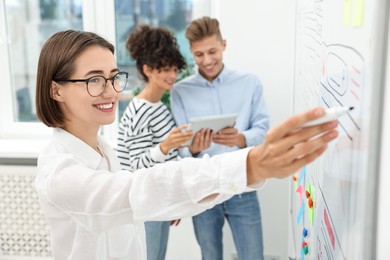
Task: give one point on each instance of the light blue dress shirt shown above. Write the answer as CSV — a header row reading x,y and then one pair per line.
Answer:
x,y
231,92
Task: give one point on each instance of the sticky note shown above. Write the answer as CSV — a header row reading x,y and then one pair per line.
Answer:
x,y
310,203
347,12
311,215
358,13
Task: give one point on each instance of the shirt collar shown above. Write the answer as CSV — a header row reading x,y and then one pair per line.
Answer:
x,y
83,152
218,80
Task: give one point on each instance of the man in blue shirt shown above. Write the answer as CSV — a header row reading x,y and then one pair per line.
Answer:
x,y
215,90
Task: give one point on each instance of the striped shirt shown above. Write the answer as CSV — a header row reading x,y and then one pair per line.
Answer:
x,y
142,128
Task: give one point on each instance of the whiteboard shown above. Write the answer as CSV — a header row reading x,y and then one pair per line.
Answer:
x,y
340,58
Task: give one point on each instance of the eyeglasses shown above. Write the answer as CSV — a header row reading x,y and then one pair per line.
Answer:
x,y
97,84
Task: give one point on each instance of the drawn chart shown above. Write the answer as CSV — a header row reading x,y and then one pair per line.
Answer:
x,y
333,68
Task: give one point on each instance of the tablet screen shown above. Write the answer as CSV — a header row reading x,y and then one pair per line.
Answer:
x,y
215,123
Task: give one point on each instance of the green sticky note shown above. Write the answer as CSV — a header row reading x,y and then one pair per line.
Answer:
x,y
310,211
306,250
311,215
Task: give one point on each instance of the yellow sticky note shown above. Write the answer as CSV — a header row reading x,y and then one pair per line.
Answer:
x,y
358,13
347,12
295,178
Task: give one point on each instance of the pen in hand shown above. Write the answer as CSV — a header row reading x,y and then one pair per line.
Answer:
x,y
330,114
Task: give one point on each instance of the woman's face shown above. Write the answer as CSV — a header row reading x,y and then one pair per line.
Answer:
x,y
81,110
163,78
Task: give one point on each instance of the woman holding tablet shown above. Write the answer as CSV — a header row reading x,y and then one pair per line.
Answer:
x,y
147,133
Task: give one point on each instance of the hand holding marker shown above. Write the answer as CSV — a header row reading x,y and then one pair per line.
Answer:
x,y
330,114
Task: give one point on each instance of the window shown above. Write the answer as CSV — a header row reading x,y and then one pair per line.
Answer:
x,y
26,25
173,14
24,28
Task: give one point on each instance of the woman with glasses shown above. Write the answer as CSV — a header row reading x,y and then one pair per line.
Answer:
x,y
147,133
94,209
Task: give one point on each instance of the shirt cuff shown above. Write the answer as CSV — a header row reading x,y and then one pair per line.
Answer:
x,y
233,177
256,186
248,138
234,181
157,155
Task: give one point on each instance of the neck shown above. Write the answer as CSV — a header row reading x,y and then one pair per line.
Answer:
x,y
87,134
211,79
151,94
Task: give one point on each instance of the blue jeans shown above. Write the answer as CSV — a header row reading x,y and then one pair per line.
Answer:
x,y
156,239
243,214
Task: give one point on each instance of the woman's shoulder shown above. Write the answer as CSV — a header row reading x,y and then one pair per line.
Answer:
x,y
137,115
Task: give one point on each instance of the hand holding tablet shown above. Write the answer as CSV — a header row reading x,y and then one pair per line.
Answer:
x,y
215,123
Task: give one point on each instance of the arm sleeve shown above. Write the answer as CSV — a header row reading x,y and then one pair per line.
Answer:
x,y
180,117
259,118
136,149
99,200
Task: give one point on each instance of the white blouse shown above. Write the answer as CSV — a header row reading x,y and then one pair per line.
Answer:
x,y
95,210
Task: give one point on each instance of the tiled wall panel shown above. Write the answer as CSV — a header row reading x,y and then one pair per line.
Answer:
x,y
23,230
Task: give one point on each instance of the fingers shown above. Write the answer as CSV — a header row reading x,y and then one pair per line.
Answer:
x,y
197,139
306,149
293,123
266,161
227,136
177,137
201,141
295,138
228,140
204,140
227,131
175,222
301,162
208,135
179,129
181,138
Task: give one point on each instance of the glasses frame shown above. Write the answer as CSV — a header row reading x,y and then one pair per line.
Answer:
x,y
105,85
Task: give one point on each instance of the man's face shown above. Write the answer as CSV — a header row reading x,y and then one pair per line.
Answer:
x,y
208,56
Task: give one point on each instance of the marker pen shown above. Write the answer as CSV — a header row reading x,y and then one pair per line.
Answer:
x,y
330,115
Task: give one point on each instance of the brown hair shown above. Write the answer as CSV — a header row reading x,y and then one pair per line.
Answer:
x,y
155,47
202,28
57,61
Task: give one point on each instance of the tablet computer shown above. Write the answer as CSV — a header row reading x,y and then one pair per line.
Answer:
x,y
214,123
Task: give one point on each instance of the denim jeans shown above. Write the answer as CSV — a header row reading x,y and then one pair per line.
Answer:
x,y
243,215
156,239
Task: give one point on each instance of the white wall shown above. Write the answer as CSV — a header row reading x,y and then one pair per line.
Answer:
x,y
260,39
